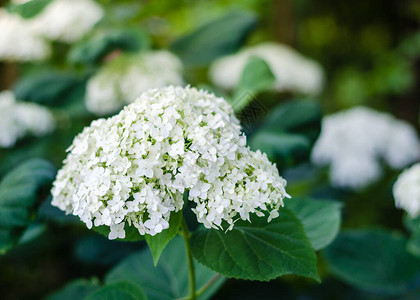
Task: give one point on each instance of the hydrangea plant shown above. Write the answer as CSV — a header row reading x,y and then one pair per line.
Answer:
x,y
19,41
18,119
407,191
355,142
177,148
135,167
125,77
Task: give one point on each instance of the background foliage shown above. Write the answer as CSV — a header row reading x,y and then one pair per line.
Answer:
x,y
369,50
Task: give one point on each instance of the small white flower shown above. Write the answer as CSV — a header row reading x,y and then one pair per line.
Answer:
x,y
19,41
407,191
354,142
134,167
18,119
293,72
117,231
124,78
67,20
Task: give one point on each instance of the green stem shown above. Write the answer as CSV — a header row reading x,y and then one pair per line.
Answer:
x,y
186,235
207,285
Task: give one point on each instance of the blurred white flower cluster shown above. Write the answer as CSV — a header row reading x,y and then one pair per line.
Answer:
x,y
18,119
62,20
355,141
407,191
133,168
293,72
19,41
67,20
123,79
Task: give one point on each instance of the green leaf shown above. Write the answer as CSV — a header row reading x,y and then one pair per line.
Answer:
x,y
74,102
413,244
37,172
373,260
219,37
167,281
321,219
131,233
257,250
412,224
31,233
123,290
284,148
159,241
95,49
288,132
256,78
48,88
77,289
98,250
18,198
29,9
49,213
299,117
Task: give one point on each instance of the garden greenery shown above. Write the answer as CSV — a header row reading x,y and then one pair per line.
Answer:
x,y
158,151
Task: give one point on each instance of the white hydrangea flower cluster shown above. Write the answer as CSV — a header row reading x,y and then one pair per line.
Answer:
x,y
355,141
19,41
18,119
407,191
133,168
293,72
67,20
124,78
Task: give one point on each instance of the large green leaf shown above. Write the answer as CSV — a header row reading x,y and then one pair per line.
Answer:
x,y
18,198
256,78
373,260
288,132
98,250
413,225
77,289
29,9
123,290
49,88
257,250
284,148
321,219
413,244
159,241
95,49
299,117
219,37
169,279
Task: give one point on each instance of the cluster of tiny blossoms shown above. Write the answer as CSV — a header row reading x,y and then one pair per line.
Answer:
x,y
124,78
18,119
293,72
407,191
67,20
354,143
133,168
19,41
